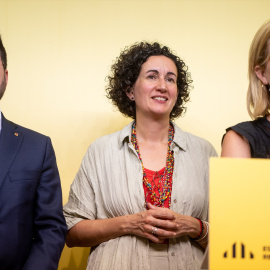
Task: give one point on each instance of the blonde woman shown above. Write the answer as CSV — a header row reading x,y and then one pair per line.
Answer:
x,y
252,139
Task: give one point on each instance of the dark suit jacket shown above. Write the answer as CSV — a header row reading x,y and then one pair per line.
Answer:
x,y
32,225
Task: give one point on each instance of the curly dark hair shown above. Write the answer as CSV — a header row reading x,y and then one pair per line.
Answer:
x,y
126,69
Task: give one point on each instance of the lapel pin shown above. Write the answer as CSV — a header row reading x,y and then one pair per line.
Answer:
x,y
16,134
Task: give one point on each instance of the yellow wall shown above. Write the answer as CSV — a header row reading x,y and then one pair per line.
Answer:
x,y
59,52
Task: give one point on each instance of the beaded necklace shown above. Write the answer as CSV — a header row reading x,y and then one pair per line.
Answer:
x,y
165,187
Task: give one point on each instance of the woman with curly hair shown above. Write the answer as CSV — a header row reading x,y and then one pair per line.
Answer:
x,y
140,198
251,139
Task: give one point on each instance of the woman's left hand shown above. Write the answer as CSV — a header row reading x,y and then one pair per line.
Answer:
x,y
185,225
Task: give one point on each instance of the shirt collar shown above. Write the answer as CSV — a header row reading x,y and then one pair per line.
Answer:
x,y
125,134
179,139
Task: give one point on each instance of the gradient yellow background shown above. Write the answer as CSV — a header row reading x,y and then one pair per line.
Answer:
x,y
60,51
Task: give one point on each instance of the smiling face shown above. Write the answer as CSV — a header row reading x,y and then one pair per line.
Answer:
x,y
155,90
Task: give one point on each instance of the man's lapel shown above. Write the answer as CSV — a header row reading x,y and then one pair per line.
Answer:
x,y
10,142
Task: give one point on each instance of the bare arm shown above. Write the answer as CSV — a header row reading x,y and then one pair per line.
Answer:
x,y
89,233
234,145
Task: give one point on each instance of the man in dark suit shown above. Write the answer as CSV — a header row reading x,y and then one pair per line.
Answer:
x,y
32,225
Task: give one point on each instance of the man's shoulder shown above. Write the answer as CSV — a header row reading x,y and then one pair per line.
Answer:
x,y
25,131
30,138
30,132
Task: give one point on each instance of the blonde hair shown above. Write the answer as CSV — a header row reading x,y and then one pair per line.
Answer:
x,y
258,96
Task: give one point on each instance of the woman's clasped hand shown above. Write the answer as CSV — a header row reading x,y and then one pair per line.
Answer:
x,y
158,224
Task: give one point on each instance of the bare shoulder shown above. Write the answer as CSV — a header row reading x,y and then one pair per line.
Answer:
x,y
235,145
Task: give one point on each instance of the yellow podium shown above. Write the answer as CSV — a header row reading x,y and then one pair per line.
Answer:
x,y
239,214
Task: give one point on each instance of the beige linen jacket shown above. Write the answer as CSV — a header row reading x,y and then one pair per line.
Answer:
x,y
109,184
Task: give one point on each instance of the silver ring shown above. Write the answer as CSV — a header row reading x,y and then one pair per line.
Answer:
x,y
154,230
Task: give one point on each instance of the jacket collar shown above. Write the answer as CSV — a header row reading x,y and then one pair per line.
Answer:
x,y
10,141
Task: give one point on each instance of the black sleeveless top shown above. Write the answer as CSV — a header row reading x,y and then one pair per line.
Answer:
x,y
257,133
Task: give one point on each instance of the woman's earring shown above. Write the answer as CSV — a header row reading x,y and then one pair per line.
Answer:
x,y
267,87
132,98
